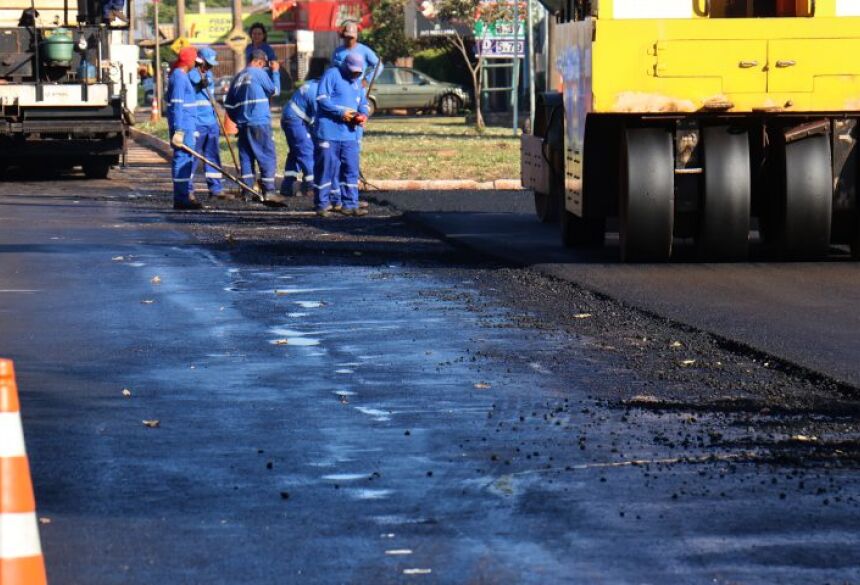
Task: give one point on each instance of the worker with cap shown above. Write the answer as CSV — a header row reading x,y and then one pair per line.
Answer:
x,y
208,132
349,34
181,123
298,123
342,109
247,105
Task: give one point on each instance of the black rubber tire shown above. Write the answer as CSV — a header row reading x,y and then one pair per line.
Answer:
x,y
450,105
578,232
647,195
807,199
371,106
546,208
724,210
97,168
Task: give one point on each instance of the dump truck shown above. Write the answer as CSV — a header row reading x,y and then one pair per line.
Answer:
x,y
63,98
701,121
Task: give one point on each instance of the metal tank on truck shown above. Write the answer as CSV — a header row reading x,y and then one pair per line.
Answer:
x,y
63,99
701,119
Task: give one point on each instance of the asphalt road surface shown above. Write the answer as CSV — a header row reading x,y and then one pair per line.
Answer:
x,y
356,401
802,312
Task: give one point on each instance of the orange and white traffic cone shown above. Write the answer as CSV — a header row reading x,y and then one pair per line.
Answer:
x,y
154,114
21,560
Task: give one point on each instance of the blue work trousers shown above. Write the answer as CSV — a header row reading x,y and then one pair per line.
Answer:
x,y
336,160
335,186
209,145
300,160
256,144
181,168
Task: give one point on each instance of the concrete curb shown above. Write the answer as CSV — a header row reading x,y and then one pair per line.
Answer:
x,y
162,147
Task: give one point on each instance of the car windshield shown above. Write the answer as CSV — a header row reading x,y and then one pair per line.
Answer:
x,y
411,77
386,77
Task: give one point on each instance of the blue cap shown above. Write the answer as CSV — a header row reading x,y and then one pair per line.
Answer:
x,y
354,62
208,55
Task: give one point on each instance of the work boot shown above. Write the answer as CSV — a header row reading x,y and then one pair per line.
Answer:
x,y
363,204
354,212
190,204
337,207
274,200
222,196
325,211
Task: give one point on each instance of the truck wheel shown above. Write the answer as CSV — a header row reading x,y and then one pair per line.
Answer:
x,y
724,216
647,196
549,205
97,168
371,106
578,232
803,228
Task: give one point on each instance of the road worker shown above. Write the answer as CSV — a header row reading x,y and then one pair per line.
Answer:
x,y
181,123
373,66
298,124
259,42
114,10
341,110
208,133
247,105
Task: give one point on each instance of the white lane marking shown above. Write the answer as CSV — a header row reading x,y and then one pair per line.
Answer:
x,y
346,476
19,536
365,494
19,290
398,552
11,435
417,571
378,415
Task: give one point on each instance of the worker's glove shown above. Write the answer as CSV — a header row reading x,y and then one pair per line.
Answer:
x,y
178,139
349,115
359,119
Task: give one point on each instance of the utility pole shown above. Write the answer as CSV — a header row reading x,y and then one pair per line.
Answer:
x,y
238,50
180,18
530,29
159,93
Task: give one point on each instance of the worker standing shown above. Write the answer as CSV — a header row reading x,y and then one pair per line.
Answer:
x,y
247,105
298,123
342,109
373,66
181,123
208,132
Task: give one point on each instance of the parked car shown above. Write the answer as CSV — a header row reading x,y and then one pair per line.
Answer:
x,y
405,88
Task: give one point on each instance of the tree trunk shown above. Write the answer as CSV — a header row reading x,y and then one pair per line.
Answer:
x,y
475,70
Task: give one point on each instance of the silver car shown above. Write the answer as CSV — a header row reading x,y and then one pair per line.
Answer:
x,y
408,89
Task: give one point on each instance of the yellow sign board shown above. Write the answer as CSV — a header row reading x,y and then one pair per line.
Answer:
x,y
215,27
238,40
179,44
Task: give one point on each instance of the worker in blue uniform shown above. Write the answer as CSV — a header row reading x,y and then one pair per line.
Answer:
x,y
341,110
181,123
298,123
208,132
259,42
113,10
247,105
373,66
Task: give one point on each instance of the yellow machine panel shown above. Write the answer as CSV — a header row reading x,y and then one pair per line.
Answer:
x,y
794,64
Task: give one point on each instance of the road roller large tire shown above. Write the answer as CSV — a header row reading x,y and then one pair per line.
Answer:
x,y
547,205
807,199
647,195
724,210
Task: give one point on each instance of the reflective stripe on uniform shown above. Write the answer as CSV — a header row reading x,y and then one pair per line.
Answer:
x,y
298,112
246,102
214,175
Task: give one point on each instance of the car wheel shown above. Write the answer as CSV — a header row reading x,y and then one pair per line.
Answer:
x,y
450,105
371,106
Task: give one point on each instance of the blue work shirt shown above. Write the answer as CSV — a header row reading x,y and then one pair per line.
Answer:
x,y
205,111
303,105
265,47
181,102
337,93
247,101
370,59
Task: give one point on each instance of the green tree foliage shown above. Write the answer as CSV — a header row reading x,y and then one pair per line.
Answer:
x,y
388,35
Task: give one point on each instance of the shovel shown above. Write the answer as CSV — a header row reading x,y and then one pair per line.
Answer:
x,y
255,195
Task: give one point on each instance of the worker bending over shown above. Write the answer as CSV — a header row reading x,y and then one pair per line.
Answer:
x,y
298,123
342,109
208,133
247,105
181,123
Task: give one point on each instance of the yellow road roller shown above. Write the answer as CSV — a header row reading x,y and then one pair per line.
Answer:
x,y
701,120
